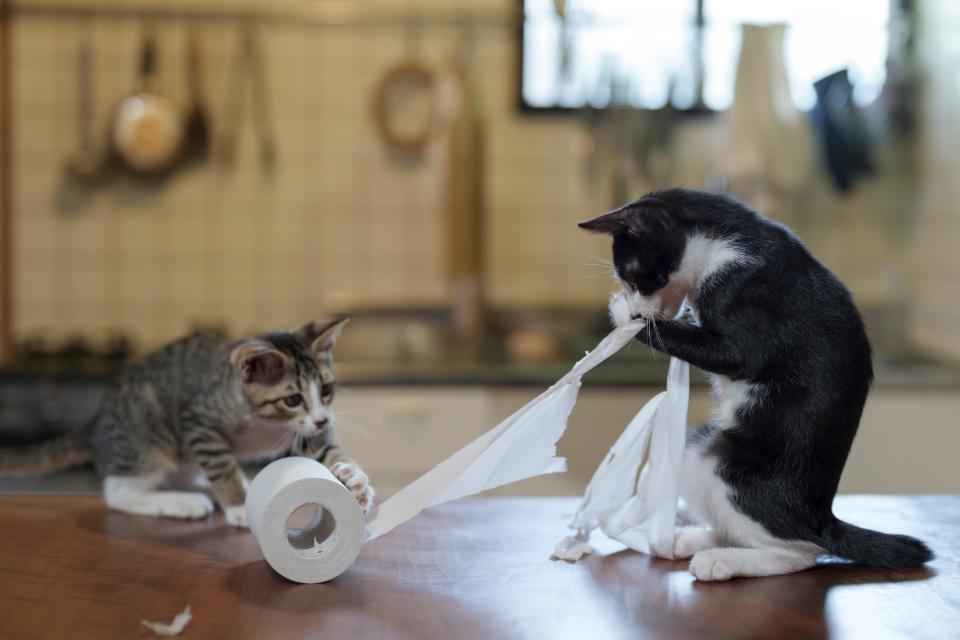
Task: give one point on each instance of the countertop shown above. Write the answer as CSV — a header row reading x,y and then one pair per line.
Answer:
x,y
475,568
622,370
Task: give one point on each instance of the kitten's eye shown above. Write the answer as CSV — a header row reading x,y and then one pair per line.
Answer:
x,y
293,401
326,389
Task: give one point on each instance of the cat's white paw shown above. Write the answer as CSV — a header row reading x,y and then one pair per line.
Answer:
x,y
710,566
353,478
179,504
619,309
236,515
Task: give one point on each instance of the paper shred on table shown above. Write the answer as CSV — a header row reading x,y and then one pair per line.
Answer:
x,y
175,627
571,549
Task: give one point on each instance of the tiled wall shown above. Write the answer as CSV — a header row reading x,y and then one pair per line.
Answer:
x,y
341,222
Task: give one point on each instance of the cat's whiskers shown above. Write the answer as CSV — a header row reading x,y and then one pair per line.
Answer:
x,y
296,441
352,426
605,267
596,274
597,261
656,335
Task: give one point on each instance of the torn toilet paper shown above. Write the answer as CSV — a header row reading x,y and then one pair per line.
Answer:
x,y
522,446
633,494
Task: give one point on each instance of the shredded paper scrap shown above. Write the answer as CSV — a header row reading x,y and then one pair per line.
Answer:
x,y
520,447
175,627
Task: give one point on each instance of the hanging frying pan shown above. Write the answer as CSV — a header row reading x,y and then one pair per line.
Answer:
x,y
148,127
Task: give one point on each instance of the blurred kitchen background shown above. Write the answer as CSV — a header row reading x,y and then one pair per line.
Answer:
x,y
420,165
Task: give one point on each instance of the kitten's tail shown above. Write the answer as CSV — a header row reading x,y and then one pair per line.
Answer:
x,y
71,449
873,548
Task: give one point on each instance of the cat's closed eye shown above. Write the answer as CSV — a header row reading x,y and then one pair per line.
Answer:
x,y
293,400
326,390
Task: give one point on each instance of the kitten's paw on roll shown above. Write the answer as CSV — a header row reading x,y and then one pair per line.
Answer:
x,y
353,478
236,515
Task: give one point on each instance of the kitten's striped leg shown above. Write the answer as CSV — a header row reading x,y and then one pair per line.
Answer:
x,y
346,470
215,456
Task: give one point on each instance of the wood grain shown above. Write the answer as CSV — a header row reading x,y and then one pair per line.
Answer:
x,y
471,569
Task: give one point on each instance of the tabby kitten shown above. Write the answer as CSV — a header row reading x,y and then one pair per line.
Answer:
x,y
209,403
790,366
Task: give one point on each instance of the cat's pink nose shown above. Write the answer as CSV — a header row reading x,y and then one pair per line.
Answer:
x,y
322,422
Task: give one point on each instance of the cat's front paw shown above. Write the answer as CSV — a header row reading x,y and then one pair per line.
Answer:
x,y
236,515
710,565
619,309
179,504
353,478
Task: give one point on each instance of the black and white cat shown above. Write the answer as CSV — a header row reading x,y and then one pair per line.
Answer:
x,y
790,367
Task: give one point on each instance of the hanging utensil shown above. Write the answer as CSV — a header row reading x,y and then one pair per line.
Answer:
x,y
85,161
410,77
260,92
148,127
86,166
464,198
196,144
249,64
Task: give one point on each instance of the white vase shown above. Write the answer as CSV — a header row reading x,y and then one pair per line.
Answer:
x,y
768,139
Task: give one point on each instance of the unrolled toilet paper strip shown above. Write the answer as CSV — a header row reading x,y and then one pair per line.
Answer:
x,y
522,446
633,494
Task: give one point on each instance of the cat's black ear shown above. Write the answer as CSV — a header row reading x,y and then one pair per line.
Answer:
x,y
259,364
321,336
637,218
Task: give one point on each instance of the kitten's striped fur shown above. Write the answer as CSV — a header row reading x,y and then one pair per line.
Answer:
x,y
212,403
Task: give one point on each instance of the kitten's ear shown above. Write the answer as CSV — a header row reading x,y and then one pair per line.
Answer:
x,y
321,336
257,363
637,218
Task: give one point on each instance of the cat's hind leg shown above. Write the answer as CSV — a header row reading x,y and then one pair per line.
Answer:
x,y
692,539
138,495
714,565
748,547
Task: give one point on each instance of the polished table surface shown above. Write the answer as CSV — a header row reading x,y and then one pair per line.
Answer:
x,y
470,569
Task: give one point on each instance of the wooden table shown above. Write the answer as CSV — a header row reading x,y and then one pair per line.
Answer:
x,y
471,569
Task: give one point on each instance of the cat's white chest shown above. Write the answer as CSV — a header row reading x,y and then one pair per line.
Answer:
x,y
730,397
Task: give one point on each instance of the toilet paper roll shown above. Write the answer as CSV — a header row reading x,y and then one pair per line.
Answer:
x,y
319,550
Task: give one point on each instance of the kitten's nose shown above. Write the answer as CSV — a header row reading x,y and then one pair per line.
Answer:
x,y
322,422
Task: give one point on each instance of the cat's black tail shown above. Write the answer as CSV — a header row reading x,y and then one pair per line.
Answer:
x,y
71,449
873,548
